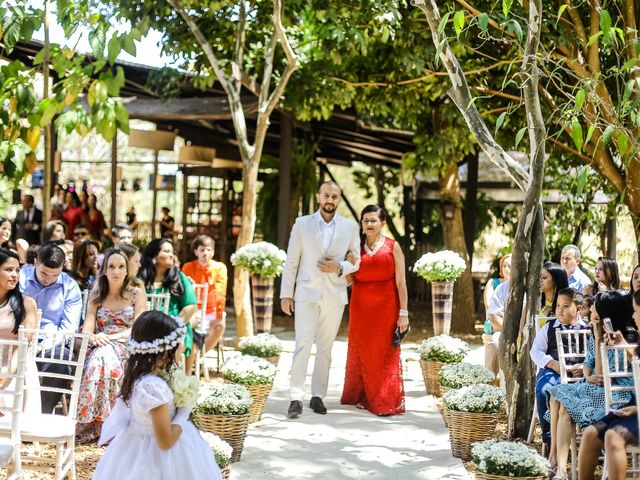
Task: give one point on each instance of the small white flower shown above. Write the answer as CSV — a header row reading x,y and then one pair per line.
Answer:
x,y
221,449
248,370
223,399
261,258
480,398
260,345
457,375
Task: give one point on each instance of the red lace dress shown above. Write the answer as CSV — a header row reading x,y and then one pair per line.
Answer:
x,y
373,377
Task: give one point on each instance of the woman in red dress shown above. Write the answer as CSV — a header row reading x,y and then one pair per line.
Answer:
x,y
373,377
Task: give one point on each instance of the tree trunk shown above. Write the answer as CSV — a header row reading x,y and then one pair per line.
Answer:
x,y
464,316
241,290
526,262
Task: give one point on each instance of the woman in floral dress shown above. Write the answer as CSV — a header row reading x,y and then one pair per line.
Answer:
x,y
113,306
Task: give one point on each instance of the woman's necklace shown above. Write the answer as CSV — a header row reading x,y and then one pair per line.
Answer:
x,y
371,251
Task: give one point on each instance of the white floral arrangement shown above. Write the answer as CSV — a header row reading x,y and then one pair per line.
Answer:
x,y
508,459
261,258
185,388
221,450
261,345
458,375
479,398
223,399
443,348
445,265
248,370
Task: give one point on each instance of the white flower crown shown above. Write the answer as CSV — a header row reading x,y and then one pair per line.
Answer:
x,y
158,345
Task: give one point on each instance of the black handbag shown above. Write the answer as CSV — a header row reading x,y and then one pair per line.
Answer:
x,y
398,336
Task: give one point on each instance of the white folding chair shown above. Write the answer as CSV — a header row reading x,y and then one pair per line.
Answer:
x,y
540,322
47,427
158,301
621,368
13,361
202,295
572,350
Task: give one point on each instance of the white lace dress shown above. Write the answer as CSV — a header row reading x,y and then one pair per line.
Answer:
x,y
134,453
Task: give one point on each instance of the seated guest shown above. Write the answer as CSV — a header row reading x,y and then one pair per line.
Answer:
x,y
206,270
80,234
496,311
582,403
85,264
17,310
553,278
54,230
634,281
133,254
113,306
606,277
615,431
5,233
570,261
544,351
58,296
159,274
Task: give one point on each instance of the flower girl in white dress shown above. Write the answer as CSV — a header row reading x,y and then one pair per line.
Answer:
x,y
151,439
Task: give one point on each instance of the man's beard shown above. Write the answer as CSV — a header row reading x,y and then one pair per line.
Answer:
x,y
328,208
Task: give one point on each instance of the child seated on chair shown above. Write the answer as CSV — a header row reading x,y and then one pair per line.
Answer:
x,y
206,270
544,351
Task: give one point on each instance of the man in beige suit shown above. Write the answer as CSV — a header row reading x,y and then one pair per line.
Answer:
x,y
316,270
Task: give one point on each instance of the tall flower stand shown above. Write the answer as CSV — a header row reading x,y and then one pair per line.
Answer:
x,y
262,290
441,306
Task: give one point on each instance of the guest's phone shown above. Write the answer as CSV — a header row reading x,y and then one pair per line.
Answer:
x,y
608,327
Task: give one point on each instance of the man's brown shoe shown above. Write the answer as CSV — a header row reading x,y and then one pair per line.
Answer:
x,y
295,409
317,406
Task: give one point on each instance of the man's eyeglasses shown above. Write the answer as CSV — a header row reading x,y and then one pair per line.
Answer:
x,y
125,238
80,234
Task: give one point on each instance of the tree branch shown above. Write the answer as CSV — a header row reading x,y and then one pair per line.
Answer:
x,y
563,146
461,96
292,61
593,54
237,67
268,70
577,24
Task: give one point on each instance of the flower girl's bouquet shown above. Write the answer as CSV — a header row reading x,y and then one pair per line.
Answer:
x,y
185,388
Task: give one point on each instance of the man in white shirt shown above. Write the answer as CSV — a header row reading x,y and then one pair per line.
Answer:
x,y
570,259
497,306
316,270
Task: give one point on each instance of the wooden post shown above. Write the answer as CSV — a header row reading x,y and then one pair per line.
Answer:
x,y
155,193
284,194
612,227
114,179
470,203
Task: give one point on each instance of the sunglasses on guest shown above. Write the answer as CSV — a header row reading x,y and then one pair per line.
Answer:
x,y
80,234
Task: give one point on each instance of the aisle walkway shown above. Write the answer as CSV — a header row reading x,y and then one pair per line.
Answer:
x,y
348,443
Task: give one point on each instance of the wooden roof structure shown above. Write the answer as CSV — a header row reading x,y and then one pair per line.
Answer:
x,y
203,118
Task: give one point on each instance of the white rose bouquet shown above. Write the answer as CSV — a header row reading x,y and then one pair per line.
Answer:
x,y
443,348
223,399
457,375
248,370
440,266
509,459
480,398
185,388
262,258
260,345
221,450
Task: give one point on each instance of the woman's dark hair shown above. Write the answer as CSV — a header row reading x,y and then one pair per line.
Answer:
x,y
101,289
47,232
612,305
75,199
148,327
560,282
382,215
610,268
80,253
129,249
147,273
14,297
631,279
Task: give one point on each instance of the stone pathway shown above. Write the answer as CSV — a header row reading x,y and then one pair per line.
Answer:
x,y
348,443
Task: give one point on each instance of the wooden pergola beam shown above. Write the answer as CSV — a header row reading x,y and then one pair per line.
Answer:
x,y
184,109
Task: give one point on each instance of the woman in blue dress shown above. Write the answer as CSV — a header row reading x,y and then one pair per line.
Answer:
x,y
615,431
582,403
